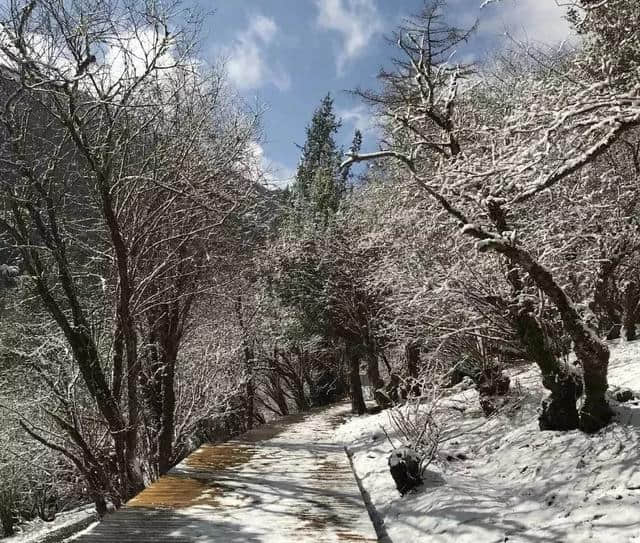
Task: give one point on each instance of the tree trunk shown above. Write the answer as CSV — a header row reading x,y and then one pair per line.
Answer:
x,y
590,351
313,386
249,386
133,482
412,357
296,382
165,328
631,299
376,382
607,310
492,385
594,357
101,505
85,353
357,399
281,400
167,428
7,518
559,411
275,390
613,331
302,403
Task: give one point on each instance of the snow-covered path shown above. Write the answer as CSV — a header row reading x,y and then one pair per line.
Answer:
x,y
286,482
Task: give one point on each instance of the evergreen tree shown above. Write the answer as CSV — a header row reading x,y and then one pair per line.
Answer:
x,y
319,186
311,282
356,145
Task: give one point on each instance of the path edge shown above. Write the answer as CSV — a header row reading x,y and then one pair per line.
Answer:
x,y
374,515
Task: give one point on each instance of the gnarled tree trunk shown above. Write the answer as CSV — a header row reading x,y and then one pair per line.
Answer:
x,y
591,352
559,411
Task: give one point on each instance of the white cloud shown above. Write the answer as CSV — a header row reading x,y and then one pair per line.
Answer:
x,y
360,118
263,27
278,175
527,20
132,52
52,55
125,55
273,174
247,66
357,21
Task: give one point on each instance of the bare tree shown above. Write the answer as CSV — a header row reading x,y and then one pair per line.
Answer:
x,y
114,193
537,148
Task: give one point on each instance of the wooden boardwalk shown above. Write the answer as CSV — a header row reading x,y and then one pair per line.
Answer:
x,y
284,482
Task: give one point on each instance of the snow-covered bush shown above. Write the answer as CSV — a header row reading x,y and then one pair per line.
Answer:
x,y
414,424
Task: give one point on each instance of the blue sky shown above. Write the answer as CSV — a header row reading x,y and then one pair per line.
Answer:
x,y
287,54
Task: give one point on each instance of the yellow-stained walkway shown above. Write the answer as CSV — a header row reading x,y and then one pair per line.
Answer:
x,y
288,481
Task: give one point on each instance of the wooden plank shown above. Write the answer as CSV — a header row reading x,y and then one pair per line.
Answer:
x,y
284,482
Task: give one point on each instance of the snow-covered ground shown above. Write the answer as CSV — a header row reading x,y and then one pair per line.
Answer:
x,y
516,483
64,525
513,483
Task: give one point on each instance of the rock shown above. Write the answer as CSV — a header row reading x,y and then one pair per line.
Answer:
x,y
492,385
453,455
624,395
466,383
404,465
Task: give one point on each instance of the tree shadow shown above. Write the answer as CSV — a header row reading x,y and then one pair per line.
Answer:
x,y
432,479
254,488
144,525
308,510
471,513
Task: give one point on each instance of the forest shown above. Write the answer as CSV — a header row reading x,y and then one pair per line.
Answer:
x,y
157,294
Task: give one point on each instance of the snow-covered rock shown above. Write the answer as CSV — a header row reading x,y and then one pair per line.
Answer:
x,y
405,468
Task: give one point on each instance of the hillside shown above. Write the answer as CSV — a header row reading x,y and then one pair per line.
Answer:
x,y
515,483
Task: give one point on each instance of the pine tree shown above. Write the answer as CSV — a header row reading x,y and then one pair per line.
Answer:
x,y
319,185
356,145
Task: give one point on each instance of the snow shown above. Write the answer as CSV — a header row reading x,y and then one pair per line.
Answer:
x,y
296,485
515,483
64,525
494,480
